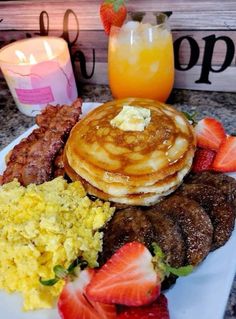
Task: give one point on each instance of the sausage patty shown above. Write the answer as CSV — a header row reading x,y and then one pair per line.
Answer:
x,y
195,224
219,210
145,226
168,235
127,225
226,184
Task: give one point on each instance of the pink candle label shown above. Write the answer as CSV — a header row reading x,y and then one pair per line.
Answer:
x,y
35,96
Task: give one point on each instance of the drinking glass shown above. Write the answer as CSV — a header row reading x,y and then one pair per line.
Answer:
x,y
141,59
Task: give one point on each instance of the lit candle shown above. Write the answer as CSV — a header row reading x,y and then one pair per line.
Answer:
x,y
38,72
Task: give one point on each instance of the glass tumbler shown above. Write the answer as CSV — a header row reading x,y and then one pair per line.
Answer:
x,y
141,59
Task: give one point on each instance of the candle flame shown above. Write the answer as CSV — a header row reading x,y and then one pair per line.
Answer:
x,y
48,49
21,56
32,59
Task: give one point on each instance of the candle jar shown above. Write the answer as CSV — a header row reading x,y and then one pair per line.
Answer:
x,y
38,72
141,59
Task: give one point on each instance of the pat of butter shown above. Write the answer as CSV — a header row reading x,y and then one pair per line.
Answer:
x,y
132,118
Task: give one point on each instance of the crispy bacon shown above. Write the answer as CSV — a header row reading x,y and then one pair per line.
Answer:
x,y
43,120
32,160
59,169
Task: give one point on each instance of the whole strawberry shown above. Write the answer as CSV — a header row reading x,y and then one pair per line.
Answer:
x,y
112,13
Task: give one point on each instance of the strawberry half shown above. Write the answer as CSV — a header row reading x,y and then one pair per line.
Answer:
x,y
210,133
128,278
73,302
225,160
203,160
158,309
112,12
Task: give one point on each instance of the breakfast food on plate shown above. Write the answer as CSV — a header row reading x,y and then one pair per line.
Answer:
x,y
44,226
186,225
217,151
130,151
210,133
225,160
32,160
203,160
220,212
137,154
129,277
135,225
167,233
78,294
195,225
130,280
185,237
73,302
158,309
224,183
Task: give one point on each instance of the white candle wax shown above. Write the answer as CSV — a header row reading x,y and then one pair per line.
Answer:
x,y
38,72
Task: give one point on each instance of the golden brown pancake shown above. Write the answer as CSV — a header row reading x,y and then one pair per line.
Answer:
x,y
129,164
138,198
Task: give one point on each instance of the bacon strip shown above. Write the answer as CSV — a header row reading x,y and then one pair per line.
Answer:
x,y
31,161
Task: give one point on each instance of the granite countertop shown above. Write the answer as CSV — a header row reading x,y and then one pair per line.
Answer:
x,y
214,104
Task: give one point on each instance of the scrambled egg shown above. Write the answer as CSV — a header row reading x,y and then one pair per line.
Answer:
x,y
43,226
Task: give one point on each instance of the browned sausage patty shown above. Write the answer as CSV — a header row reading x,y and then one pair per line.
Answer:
x,y
168,235
219,210
126,225
195,225
146,226
224,183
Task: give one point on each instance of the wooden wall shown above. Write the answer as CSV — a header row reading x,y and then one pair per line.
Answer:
x,y
204,35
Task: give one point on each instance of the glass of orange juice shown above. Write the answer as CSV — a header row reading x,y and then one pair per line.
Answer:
x,y
141,60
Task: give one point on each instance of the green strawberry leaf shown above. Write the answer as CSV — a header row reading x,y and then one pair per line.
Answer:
x,y
77,262
163,268
62,273
191,117
181,271
116,4
158,260
49,282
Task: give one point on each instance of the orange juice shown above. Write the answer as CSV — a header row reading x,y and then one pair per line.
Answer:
x,y
140,61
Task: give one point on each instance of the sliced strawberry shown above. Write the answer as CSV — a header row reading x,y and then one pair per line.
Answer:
x,y
158,310
112,12
203,160
210,133
225,160
74,304
128,278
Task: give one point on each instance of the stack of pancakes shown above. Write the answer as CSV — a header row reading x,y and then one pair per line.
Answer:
x,y
130,167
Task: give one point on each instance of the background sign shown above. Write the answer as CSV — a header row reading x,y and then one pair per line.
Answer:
x,y
204,35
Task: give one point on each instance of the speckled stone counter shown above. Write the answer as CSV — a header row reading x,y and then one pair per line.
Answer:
x,y
215,104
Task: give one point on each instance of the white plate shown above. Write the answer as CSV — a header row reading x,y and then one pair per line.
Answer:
x,y
203,294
